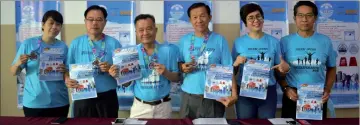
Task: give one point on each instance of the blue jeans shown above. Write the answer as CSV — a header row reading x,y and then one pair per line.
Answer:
x,y
251,108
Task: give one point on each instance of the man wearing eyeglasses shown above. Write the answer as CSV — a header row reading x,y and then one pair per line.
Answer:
x,y
315,49
96,48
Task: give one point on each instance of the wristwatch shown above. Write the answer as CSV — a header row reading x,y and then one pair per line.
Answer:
x,y
285,88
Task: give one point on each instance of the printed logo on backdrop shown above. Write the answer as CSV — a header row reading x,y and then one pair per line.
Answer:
x,y
353,48
326,10
342,48
177,11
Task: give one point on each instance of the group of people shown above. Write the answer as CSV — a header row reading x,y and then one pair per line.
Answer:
x,y
174,63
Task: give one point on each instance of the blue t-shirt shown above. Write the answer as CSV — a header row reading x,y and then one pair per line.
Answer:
x,y
152,87
80,51
267,48
307,57
216,52
41,94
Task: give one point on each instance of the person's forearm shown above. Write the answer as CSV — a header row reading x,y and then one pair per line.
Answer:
x,y
66,75
234,92
15,69
172,76
330,78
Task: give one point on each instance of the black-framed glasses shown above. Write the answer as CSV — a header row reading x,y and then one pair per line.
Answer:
x,y
96,20
252,18
309,15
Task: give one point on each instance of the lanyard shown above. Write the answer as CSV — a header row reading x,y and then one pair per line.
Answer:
x,y
203,46
102,52
147,58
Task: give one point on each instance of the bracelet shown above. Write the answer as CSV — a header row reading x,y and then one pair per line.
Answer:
x,y
285,88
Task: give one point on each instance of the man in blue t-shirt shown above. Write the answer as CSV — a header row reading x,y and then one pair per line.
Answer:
x,y
309,54
96,48
198,50
159,66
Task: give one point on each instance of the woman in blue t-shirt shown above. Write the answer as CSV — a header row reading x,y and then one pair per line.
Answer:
x,y
45,93
259,46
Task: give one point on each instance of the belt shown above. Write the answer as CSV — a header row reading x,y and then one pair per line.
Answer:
x,y
165,99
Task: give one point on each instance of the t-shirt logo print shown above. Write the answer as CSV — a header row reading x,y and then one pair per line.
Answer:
x,y
262,57
308,60
203,60
153,79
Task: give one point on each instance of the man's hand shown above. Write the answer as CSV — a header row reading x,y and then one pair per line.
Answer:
x,y
70,83
188,67
160,68
114,71
291,94
104,66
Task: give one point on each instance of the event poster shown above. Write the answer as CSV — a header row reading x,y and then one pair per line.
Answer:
x,y
218,82
50,61
83,73
28,17
309,105
127,61
176,19
119,21
339,20
275,17
255,79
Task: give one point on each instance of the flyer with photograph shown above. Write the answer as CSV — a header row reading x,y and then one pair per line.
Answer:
x,y
83,73
309,105
255,79
50,60
127,61
218,82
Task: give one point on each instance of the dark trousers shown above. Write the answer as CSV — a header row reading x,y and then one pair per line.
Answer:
x,y
196,106
106,105
46,112
289,108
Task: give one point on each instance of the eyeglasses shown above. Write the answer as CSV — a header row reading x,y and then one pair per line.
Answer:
x,y
252,18
96,20
305,15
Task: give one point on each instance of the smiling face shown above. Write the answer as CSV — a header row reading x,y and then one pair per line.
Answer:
x,y
145,30
200,19
51,28
254,21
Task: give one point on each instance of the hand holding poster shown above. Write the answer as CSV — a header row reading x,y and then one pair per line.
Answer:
x,y
309,105
83,73
255,79
218,82
127,61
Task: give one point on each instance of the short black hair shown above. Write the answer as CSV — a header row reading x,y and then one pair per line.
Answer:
x,y
143,17
197,5
249,8
55,15
306,3
96,7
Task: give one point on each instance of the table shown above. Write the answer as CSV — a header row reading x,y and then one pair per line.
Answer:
x,y
4,120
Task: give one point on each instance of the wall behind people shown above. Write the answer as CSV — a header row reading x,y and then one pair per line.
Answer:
x,y
226,21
